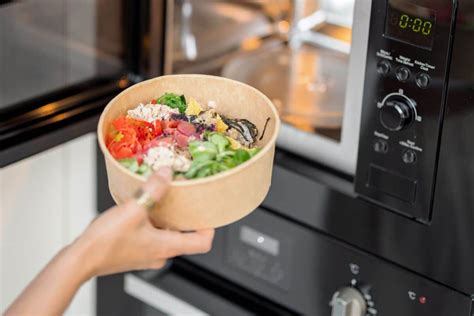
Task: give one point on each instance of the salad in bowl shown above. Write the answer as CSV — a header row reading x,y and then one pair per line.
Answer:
x,y
178,132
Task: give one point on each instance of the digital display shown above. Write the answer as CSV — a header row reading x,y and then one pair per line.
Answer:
x,y
410,23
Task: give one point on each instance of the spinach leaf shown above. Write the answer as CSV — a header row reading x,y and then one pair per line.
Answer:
x,y
173,101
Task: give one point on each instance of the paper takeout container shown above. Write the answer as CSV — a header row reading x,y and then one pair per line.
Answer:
x,y
208,202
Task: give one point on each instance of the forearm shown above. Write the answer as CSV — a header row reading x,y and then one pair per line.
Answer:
x,y
53,289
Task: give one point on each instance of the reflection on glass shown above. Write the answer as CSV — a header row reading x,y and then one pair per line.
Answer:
x,y
50,44
306,84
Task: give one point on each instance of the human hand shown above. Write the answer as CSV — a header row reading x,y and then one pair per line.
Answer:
x,y
123,238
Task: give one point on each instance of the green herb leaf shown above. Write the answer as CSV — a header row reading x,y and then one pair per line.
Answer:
x,y
229,162
241,156
202,151
196,166
252,152
204,172
130,163
219,140
144,170
173,101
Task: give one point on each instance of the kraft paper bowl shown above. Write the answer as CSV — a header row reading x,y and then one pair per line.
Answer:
x,y
208,202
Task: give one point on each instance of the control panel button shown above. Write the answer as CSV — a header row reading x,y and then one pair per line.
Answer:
x,y
403,74
381,146
409,157
384,67
423,80
396,115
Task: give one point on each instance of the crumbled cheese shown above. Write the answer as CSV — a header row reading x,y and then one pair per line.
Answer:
x,y
211,104
151,112
165,156
181,163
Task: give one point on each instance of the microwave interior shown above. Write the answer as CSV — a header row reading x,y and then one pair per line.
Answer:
x,y
295,52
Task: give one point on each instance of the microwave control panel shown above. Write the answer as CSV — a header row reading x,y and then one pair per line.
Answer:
x,y
403,105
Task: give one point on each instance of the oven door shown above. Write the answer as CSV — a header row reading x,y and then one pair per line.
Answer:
x,y
306,56
185,289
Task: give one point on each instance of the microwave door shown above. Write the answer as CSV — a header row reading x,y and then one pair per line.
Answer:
x,y
336,151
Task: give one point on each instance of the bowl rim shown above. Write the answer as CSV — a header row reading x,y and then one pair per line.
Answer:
x,y
184,183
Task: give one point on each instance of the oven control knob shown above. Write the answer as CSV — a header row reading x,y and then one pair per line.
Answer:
x,y
348,301
396,115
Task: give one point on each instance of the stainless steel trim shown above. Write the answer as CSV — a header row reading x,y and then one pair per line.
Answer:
x,y
326,41
157,298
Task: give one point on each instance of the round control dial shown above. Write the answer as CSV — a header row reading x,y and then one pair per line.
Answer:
x,y
397,113
348,301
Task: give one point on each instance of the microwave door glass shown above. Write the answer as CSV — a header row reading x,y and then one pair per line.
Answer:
x,y
306,84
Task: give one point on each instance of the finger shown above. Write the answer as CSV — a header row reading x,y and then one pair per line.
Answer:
x,y
158,183
157,264
156,186
178,243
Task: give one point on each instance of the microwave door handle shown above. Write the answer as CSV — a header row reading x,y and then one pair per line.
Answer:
x,y
188,40
158,298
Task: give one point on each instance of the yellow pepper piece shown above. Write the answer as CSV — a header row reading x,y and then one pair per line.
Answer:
x,y
234,144
221,127
193,107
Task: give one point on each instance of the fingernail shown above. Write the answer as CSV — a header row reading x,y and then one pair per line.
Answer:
x,y
165,172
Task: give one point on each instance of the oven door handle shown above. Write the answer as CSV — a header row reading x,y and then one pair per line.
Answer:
x,y
158,298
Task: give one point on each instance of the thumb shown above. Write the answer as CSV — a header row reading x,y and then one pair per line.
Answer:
x,y
154,189
158,183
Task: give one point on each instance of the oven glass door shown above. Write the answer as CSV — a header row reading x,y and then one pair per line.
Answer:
x,y
48,45
298,53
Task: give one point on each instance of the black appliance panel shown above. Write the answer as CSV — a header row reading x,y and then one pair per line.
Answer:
x,y
403,104
167,292
320,267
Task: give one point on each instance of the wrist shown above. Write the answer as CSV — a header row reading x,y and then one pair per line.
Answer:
x,y
79,252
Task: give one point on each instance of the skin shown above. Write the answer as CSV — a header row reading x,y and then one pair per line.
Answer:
x,y
119,240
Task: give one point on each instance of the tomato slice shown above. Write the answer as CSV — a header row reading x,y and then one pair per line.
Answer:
x,y
169,124
120,151
135,136
120,123
158,128
186,128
